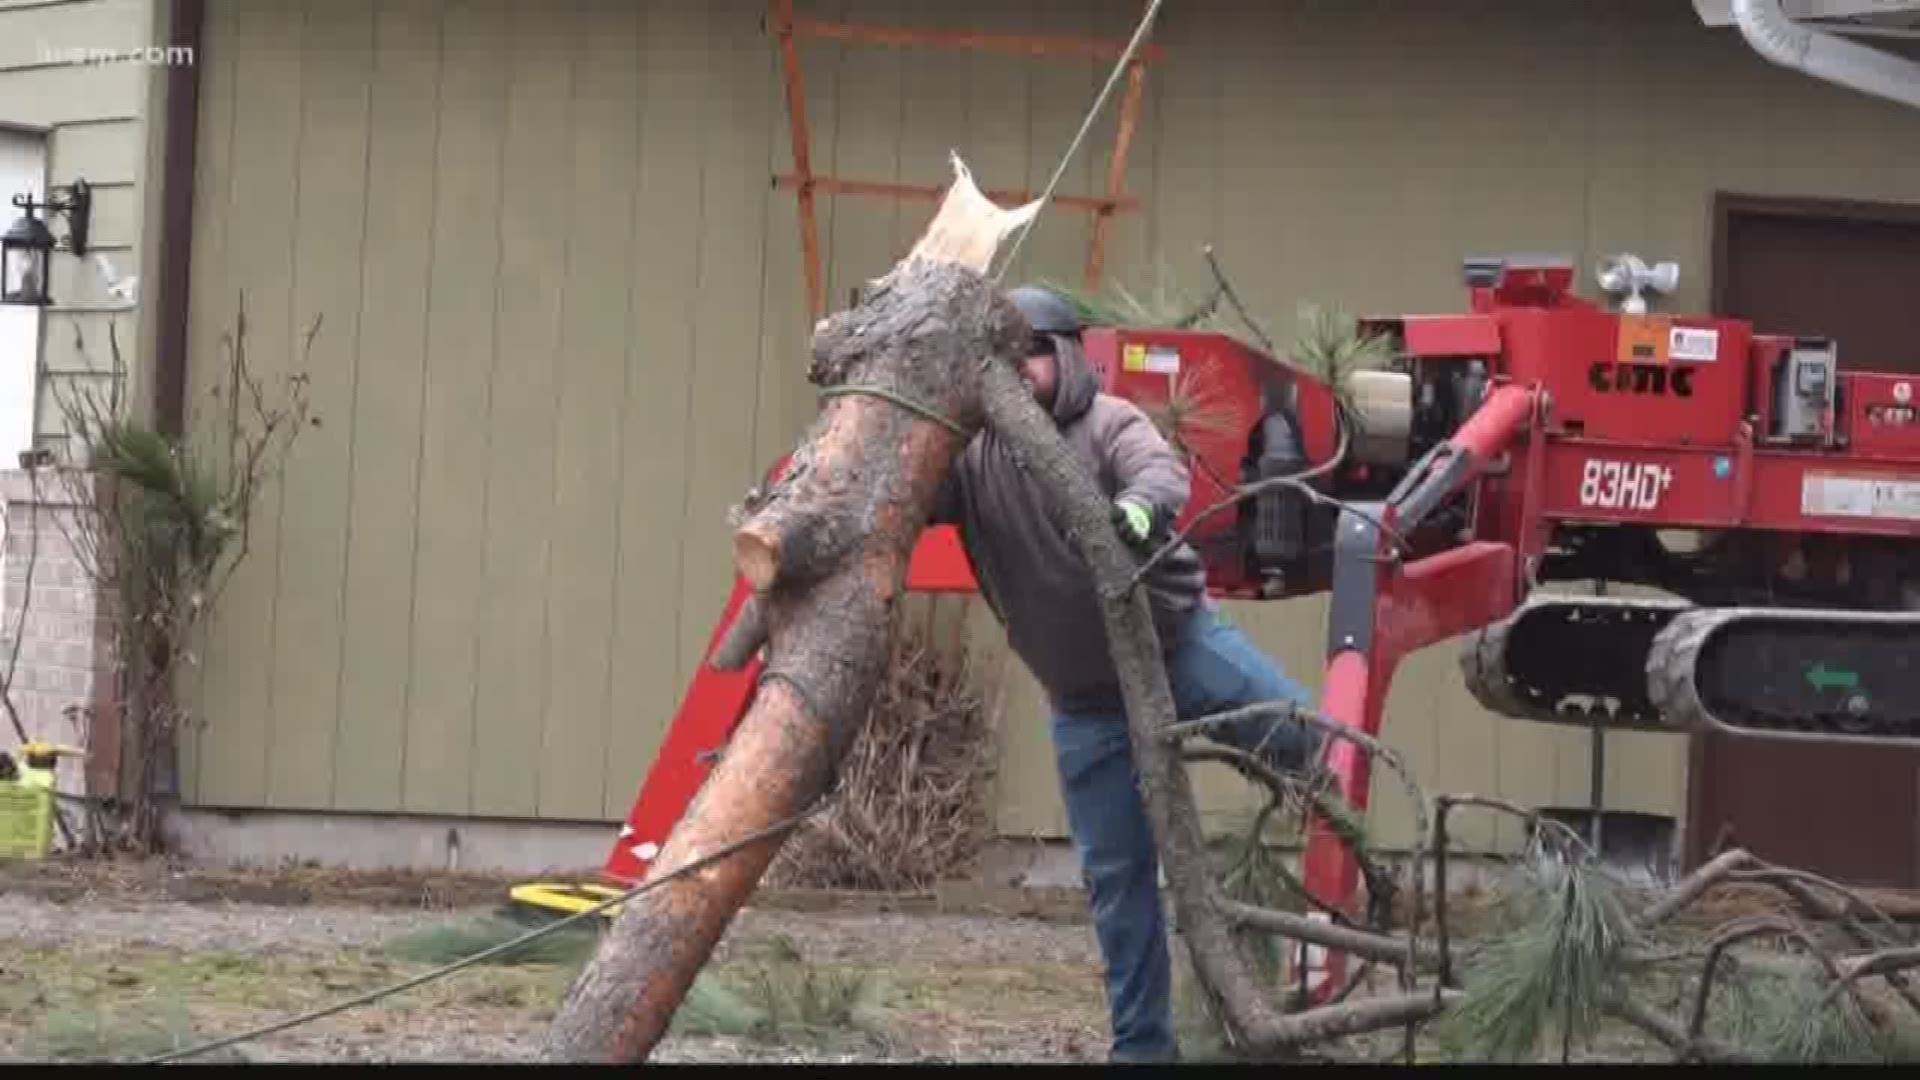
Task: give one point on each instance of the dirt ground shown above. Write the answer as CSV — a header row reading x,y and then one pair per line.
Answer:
x,y
103,961
119,962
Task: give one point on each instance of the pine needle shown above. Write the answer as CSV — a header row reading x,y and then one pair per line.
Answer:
x,y
1257,874
712,1007
1550,973
1166,307
1329,345
1778,1018
451,942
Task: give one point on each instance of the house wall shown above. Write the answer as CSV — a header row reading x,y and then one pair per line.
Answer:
x,y
562,326
76,76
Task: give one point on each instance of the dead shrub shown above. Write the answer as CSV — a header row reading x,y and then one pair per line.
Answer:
x,y
912,804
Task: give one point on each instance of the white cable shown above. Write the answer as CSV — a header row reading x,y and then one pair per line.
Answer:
x,y
1086,125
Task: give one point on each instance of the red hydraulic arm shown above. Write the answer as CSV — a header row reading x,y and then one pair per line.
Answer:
x,y
1381,610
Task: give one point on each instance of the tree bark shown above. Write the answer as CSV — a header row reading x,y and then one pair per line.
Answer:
x,y
827,550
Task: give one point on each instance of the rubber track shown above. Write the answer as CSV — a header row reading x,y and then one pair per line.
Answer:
x,y
1483,657
1672,665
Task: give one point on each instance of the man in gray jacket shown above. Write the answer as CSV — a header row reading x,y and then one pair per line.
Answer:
x,y
1042,593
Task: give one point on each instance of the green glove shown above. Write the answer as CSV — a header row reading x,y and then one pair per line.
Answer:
x,y
1134,521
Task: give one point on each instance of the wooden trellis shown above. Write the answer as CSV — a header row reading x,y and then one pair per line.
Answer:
x,y
785,28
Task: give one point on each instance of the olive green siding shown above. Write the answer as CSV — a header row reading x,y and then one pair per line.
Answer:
x,y
562,323
90,115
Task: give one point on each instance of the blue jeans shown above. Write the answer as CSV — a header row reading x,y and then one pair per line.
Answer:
x,y
1213,668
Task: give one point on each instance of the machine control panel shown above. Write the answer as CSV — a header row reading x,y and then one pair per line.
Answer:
x,y
1803,386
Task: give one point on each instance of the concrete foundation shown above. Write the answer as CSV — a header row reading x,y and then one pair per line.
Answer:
x,y
565,850
517,848
384,842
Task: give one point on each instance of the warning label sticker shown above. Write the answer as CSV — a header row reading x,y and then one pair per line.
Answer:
x,y
1158,359
1827,495
1643,339
1694,344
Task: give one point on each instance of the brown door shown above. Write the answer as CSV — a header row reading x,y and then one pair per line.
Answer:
x,y
1847,272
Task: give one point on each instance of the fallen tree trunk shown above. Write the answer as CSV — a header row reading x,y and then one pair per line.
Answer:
x,y
827,551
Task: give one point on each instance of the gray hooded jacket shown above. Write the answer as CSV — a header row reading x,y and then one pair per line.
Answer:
x,y
1030,575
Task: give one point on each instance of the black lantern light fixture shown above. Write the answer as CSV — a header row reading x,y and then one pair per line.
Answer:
x,y
26,249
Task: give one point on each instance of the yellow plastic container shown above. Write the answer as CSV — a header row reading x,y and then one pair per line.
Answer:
x,y
26,819
26,804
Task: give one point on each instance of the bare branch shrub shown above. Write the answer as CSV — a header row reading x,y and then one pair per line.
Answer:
x,y
161,523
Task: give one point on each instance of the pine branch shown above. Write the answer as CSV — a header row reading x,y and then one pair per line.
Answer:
x,y
1552,970
1694,886
1732,934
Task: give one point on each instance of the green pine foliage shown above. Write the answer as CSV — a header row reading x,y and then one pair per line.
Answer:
x,y
1549,966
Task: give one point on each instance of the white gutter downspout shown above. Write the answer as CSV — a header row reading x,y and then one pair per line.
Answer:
x,y
1780,39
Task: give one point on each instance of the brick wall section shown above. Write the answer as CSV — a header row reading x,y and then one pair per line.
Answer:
x,y
62,638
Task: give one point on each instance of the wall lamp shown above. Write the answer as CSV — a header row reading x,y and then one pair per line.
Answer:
x,y
27,248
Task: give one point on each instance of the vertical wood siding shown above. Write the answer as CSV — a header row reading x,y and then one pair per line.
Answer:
x,y
563,322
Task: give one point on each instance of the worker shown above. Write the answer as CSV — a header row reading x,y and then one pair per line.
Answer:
x,y
1040,589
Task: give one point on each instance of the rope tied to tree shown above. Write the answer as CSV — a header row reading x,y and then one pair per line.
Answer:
x,y
905,401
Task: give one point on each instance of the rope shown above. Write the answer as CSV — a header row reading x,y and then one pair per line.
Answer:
x,y
468,961
1086,125
901,400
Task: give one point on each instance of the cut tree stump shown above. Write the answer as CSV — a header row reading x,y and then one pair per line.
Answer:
x,y
826,550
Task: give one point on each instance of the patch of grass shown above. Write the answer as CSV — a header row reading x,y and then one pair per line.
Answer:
x,y
127,1001
61,979
98,1033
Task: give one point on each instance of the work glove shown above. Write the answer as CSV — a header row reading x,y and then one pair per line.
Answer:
x,y
1134,520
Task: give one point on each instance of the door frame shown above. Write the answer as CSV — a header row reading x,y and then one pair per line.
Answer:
x,y
1727,206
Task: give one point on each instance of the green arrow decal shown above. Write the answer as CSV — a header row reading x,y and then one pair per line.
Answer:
x,y
1821,677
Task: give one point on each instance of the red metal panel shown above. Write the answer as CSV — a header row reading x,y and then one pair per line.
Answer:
x,y
939,564
1882,415
1787,490
1450,335
715,701
1217,376
1856,495
1601,480
1319,435
1679,381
